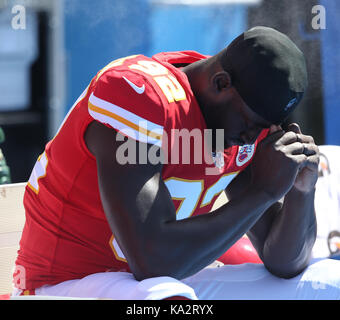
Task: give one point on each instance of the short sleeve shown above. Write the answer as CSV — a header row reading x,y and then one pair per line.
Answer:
x,y
128,102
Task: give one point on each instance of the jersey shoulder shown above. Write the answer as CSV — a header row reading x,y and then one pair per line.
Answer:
x,y
125,98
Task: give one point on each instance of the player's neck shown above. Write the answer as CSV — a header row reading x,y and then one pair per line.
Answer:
x,y
195,71
198,74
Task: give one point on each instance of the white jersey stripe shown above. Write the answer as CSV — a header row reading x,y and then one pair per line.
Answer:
x,y
125,129
123,113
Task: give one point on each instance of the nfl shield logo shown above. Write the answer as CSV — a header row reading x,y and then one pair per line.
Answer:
x,y
245,153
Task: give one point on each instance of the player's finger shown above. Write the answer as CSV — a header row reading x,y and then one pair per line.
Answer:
x,y
292,137
312,162
305,148
305,138
273,137
295,128
310,149
295,148
300,159
289,138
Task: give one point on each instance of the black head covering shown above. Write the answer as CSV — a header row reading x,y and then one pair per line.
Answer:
x,y
269,72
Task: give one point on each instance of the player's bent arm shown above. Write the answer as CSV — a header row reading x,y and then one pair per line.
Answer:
x,y
284,235
292,236
142,216
284,168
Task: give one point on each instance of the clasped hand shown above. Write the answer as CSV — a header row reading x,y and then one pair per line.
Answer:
x,y
285,159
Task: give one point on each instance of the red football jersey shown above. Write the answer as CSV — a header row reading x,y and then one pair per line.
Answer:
x,y
66,234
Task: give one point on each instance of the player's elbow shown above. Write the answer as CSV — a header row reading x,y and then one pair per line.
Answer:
x,y
285,273
287,270
152,272
155,262
287,265
151,269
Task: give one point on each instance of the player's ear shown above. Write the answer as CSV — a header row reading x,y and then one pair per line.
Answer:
x,y
221,81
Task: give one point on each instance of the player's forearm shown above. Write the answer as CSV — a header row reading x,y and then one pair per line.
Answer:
x,y
288,246
186,246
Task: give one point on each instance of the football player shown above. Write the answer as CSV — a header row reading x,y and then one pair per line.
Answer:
x,y
118,205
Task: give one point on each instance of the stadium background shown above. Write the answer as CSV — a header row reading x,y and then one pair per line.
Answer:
x,y
45,66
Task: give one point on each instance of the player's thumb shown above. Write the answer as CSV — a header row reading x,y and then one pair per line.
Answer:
x,y
294,127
